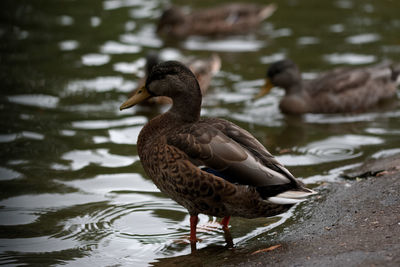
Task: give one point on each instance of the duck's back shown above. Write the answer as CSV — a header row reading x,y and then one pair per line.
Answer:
x,y
229,19
350,90
221,20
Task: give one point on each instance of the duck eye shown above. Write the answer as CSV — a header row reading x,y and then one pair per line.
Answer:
x,y
139,92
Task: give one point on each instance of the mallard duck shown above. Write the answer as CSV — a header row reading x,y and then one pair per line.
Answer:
x,y
203,68
208,165
222,20
339,90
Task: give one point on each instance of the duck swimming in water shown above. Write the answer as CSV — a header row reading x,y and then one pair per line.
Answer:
x,y
236,18
339,90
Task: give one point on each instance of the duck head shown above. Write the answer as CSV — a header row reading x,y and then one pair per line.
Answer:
x,y
174,80
283,73
171,17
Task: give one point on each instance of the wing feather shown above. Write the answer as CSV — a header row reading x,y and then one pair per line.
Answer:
x,y
233,152
339,80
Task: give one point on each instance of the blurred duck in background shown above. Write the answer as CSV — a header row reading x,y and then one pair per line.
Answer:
x,y
339,90
203,69
227,19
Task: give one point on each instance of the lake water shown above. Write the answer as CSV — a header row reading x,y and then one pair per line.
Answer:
x,y
73,191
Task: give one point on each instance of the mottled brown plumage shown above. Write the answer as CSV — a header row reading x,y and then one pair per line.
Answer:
x,y
339,90
208,165
221,20
203,68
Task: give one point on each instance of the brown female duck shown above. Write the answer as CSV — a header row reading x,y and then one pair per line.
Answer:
x,y
203,68
208,165
339,90
222,20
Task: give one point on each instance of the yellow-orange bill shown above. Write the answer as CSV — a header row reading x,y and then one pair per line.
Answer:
x,y
140,95
265,89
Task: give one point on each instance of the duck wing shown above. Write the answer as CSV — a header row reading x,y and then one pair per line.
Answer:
x,y
228,151
235,12
230,18
339,80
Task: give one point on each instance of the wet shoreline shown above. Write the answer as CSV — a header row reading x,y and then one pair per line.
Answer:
x,y
356,223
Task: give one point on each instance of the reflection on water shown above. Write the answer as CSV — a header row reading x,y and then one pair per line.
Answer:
x,y
111,47
349,58
100,84
82,158
68,45
350,118
44,101
95,59
236,44
106,124
363,38
73,189
8,174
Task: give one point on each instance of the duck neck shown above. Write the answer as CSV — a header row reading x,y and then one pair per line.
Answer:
x,y
186,107
295,88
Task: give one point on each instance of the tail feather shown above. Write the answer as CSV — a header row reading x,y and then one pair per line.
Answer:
x,y
297,194
291,196
284,201
215,63
267,11
396,74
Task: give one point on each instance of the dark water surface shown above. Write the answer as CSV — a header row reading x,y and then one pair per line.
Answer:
x,y
73,190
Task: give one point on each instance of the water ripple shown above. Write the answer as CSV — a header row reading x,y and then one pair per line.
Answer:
x,y
363,38
6,138
345,4
115,4
272,58
95,59
386,153
36,100
105,183
307,40
68,45
112,47
348,118
95,21
335,148
231,45
106,124
8,174
349,58
337,28
43,244
66,20
99,84
17,216
127,135
144,38
130,67
82,158
44,201
145,11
